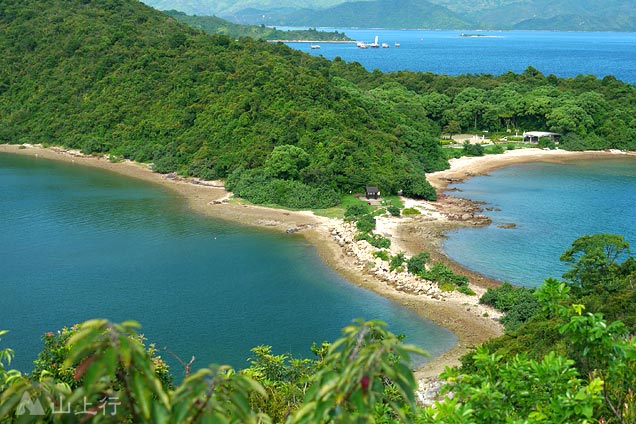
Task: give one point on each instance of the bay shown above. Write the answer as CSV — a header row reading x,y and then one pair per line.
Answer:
x,y
564,54
79,243
551,206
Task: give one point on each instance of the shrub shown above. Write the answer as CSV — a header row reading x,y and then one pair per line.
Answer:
x,y
396,261
382,254
375,240
419,188
417,264
497,149
410,211
473,149
255,186
353,212
365,224
443,275
519,304
393,210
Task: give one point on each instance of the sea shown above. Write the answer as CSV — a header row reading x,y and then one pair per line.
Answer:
x,y
78,243
564,54
550,206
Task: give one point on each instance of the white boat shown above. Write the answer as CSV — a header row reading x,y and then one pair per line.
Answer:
x,y
361,45
315,46
397,44
375,44
385,45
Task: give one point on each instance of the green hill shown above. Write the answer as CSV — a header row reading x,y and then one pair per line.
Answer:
x,y
214,25
117,76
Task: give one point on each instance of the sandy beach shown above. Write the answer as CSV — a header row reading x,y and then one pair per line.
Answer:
x,y
472,323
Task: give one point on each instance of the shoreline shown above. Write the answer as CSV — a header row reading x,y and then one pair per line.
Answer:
x,y
470,322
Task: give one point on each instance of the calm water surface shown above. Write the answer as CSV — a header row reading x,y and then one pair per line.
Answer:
x,y
565,54
79,243
551,205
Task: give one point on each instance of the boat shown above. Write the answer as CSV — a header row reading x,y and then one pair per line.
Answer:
x,y
385,45
315,46
361,45
375,44
397,44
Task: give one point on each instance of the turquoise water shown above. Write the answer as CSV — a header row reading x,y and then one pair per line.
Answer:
x,y
565,54
80,243
551,205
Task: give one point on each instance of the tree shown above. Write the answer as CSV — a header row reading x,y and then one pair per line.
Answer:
x,y
451,128
416,265
593,261
473,149
418,188
286,162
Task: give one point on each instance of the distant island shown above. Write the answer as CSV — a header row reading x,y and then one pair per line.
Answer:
x,y
479,36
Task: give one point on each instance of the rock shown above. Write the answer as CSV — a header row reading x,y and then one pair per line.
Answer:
x,y
506,226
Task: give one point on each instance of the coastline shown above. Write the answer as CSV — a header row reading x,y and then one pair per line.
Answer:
x,y
459,313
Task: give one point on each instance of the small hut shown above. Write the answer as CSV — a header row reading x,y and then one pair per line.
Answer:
x,y
372,192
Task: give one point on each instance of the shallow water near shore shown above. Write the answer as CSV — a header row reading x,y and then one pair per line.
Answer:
x,y
551,205
81,243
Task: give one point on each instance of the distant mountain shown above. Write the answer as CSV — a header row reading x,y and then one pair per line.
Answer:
x,y
366,14
225,8
563,15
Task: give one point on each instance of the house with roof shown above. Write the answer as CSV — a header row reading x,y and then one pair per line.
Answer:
x,y
534,136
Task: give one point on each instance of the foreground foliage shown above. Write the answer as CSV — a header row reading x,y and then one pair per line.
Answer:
x,y
116,380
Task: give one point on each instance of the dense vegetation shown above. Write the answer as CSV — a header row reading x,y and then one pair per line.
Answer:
x,y
567,364
119,78
214,25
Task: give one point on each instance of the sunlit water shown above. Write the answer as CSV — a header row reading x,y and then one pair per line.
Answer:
x,y
551,205
79,243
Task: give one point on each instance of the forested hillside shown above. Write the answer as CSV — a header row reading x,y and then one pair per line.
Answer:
x,y
214,25
283,127
117,76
